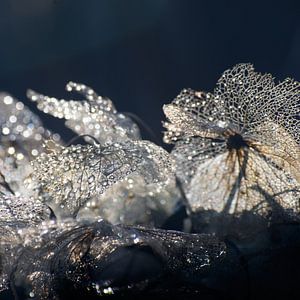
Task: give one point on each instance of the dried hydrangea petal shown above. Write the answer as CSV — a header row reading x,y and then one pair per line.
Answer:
x,y
22,132
251,183
193,114
133,201
81,254
20,210
16,214
237,150
102,102
95,116
21,140
251,98
71,176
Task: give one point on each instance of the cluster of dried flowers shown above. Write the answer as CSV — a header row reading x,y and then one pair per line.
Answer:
x,y
66,209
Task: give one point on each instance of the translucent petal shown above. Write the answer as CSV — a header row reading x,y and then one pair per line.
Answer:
x,y
21,140
133,201
95,116
249,182
71,176
22,132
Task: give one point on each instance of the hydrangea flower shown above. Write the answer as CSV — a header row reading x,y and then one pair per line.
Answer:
x,y
237,149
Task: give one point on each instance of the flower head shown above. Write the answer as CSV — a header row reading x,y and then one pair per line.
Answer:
x,y
237,149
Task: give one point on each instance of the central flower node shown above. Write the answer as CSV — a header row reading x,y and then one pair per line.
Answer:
x,y
236,141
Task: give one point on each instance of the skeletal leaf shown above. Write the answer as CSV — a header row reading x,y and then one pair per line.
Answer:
x,y
238,149
70,176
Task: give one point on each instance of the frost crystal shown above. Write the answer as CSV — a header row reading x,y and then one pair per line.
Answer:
x,y
238,149
95,116
70,176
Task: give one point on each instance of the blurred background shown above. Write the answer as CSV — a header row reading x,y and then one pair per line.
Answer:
x,y
141,53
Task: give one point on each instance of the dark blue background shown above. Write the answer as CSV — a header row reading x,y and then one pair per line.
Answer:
x,y
142,53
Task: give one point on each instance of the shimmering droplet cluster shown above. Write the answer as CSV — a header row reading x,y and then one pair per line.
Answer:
x,y
21,140
22,132
73,175
237,149
17,213
95,116
20,210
